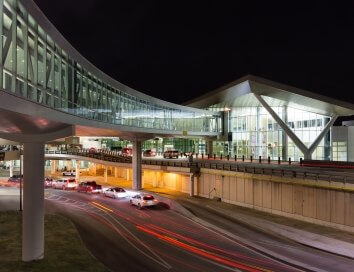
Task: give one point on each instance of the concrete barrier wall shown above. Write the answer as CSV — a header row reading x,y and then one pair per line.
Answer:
x,y
174,181
312,201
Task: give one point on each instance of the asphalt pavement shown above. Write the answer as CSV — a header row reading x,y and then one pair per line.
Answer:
x,y
269,242
125,238
154,239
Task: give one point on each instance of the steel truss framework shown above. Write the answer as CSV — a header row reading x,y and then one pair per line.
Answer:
x,y
307,151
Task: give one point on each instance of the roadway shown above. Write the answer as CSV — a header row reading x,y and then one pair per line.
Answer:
x,y
284,249
158,239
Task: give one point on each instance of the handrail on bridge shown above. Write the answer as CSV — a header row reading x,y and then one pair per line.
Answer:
x,y
252,168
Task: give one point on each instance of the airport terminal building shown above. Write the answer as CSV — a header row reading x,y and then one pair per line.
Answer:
x,y
48,86
269,119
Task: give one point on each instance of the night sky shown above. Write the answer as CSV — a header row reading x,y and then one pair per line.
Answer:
x,y
179,50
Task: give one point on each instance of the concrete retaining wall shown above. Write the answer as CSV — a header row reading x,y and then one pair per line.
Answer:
x,y
312,201
174,181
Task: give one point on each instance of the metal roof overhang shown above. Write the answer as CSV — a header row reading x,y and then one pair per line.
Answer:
x,y
240,94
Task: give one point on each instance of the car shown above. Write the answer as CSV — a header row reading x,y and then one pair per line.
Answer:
x,y
71,173
127,151
64,184
89,187
15,178
143,200
115,192
170,154
149,153
48,182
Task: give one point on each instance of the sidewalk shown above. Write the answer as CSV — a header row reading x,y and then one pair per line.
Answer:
x,y
324,238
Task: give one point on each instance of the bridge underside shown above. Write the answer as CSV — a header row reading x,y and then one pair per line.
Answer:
x,y
21,119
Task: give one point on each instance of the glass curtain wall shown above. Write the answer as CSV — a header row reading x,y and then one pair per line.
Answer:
x,y
35,67
180,144
255,133
340,151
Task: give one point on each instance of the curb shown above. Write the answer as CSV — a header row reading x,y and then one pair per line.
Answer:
x,y
266,252
299,236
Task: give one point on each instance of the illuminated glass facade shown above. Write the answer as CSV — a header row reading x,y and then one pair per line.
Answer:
x,y
180,144
35,67
254,132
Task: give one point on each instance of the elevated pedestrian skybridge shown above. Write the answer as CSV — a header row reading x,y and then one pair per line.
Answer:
x,y
47,85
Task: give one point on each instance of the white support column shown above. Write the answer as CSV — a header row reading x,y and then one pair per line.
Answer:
x,y
11,168
53,164
33,202
77,169
136,163
284,136
191,184
284,126
258,135
320,137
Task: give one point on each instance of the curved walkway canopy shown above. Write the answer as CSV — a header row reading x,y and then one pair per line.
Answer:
x,y
47,85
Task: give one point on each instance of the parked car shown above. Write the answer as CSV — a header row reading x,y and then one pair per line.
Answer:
x,y
170,154
149,153
143,200
64,184
116,192
89,187
15,178
48,182
71,173
127,151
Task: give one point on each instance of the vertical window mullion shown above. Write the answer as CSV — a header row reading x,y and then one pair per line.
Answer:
x,y
14,48
1,40
60,91
25,52
35,63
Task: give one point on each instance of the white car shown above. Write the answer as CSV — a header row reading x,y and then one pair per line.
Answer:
x,y
69,173
116,192
64,184
143,200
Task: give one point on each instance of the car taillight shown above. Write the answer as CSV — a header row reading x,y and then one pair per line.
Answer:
x,y
91,188
155,200
144,201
